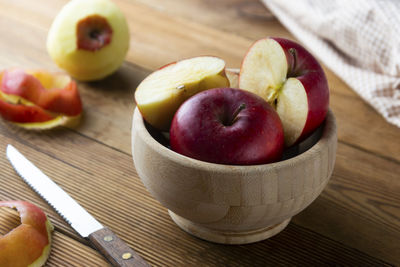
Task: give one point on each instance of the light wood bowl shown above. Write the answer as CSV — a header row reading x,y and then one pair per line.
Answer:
x,y
234,204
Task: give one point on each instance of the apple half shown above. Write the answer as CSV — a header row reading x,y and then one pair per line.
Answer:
x,y
288,77
29,243
161,93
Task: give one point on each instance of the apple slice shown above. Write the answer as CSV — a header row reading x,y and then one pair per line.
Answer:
x,y
161,93
288,77
29,243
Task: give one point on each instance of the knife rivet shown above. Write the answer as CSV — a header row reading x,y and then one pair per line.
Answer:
x,y
126,256
108,238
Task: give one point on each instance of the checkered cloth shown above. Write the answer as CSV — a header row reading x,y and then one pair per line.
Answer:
x,y
358,40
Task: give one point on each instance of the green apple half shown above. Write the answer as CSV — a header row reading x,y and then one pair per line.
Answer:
x,y
161,93
89,39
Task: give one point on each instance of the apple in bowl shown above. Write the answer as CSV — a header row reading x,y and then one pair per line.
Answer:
x,y
288,77
161,93
227,126
232,204
228,183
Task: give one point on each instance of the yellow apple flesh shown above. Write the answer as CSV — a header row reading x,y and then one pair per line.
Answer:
x,y
161,93
89,39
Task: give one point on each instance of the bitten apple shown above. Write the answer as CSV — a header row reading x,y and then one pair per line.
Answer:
x,y
227,126
287,76
28,244
161,93
89,39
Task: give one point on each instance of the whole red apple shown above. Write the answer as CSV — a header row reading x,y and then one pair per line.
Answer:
x,y
227,126
288,77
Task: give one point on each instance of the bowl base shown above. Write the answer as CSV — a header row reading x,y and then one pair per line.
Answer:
x,y
227,237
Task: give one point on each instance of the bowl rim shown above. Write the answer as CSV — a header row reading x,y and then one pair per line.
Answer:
x,y
138,127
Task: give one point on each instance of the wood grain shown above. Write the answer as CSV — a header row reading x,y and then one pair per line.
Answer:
x,y
355,221
134,214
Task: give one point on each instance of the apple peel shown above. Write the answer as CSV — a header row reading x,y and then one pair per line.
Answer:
x,y
28,244
39,99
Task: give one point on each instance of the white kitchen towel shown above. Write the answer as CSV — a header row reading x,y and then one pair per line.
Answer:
x,y
358,40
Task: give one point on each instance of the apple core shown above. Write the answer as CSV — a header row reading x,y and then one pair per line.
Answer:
x,y
93,33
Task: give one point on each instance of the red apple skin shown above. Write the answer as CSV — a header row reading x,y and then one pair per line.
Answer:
x,y
23,114
60,100
201,128
310,73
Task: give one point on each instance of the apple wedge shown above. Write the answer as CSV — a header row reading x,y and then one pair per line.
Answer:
x,y
161,93
288,77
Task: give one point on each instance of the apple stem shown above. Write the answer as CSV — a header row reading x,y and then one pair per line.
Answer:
x,y
293,52
236,113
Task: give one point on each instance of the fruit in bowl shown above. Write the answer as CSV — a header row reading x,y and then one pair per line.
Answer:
x,y
288,77
228,182
233,204
227,126
161,93
89,39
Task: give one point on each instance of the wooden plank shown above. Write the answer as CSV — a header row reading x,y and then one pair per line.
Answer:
x,y
127,208
360,205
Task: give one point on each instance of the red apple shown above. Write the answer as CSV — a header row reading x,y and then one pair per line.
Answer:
x,y
287,76
227,126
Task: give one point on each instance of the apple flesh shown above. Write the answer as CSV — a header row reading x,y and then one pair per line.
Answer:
x,y
227,126
28,244
161,93
288,77
89,39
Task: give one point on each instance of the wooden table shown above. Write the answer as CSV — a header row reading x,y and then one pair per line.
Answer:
x,y
355,221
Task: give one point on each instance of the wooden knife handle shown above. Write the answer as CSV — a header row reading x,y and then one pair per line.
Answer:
x,y
115,250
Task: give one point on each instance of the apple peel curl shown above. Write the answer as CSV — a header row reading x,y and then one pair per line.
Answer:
x,y
28,244
39,99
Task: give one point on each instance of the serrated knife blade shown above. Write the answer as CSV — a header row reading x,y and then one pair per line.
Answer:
x,y
113,248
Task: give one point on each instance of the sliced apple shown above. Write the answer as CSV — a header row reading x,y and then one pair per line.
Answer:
x,y
29,243
288,77
161,93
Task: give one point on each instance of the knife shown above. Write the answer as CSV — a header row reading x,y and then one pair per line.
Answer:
x,y
110,245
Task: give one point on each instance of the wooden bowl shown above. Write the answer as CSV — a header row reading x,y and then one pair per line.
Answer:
x,y
233,204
